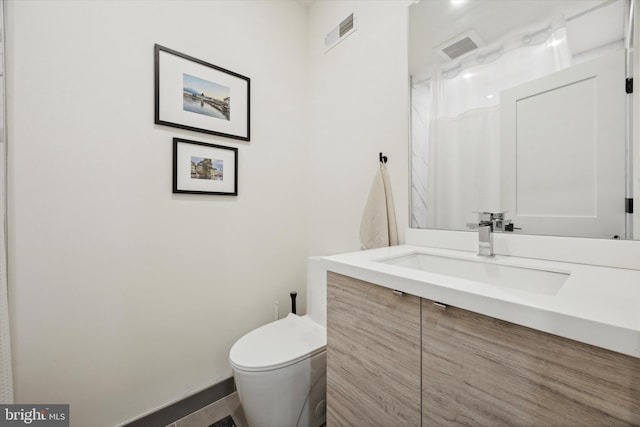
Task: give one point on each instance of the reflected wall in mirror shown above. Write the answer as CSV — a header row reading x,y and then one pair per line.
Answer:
x,y
520,107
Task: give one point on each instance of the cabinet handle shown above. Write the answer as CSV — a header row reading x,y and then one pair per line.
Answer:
x,y
398,293
440,305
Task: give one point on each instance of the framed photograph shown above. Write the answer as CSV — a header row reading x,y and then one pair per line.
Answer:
x,y
201,168
195,95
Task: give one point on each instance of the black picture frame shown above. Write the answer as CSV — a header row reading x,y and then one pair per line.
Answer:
x,y
195,95
203,168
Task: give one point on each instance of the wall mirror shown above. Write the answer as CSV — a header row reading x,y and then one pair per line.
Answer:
x,y
521,107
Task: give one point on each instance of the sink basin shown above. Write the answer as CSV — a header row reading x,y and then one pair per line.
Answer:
x,y
485,271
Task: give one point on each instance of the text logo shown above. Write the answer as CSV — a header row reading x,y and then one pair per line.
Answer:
x,y
34,415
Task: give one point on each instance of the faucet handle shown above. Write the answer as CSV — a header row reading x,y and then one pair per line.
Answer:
x,y
486,216
482,226
495,219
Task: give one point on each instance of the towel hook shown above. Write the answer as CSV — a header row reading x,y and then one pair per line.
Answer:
x,y
383,159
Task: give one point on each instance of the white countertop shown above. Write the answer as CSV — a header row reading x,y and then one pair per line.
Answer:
x,y
596,305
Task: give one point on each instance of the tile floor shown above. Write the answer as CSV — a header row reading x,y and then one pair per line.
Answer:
x,y
208,415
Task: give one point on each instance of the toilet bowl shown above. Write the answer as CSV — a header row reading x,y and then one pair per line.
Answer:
x,y
280,368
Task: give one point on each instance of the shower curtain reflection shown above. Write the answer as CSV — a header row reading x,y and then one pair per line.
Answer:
x,y
456,125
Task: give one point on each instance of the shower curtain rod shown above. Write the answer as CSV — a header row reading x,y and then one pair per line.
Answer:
x,y
588,11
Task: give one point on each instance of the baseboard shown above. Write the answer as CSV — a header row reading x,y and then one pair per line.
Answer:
x,y
186,406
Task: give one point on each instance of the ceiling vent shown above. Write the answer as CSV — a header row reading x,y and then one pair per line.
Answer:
x,y
340,32
460,45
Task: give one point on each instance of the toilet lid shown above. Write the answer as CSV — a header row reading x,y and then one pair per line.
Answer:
x,y
278,344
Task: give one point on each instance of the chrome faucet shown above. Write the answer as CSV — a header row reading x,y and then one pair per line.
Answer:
x,y
485,237
488,222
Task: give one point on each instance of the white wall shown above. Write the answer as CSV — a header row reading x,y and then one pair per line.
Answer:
x,y
125,296
358,107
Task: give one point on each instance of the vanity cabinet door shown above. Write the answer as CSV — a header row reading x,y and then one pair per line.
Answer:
x,y
373,355
477,370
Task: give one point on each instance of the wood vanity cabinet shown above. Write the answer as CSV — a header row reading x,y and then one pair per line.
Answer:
x,y
373,355
404,361
478,370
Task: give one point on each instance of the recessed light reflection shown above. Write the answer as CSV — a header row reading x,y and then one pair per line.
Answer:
x,y
467,75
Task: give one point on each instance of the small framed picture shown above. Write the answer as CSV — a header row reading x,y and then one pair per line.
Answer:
x,y
201,168
195,95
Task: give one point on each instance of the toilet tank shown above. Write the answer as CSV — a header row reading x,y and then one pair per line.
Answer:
x,y
316,291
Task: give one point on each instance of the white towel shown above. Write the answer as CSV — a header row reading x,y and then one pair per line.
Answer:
x,y
378,226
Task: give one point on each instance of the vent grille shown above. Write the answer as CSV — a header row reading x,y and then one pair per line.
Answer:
x,y
346,25
340,32
460,45
459,48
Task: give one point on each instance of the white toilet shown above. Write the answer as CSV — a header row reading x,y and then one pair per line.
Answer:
x,y
280,368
